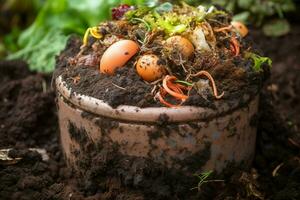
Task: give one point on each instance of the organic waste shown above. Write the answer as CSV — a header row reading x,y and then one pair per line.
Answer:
x,y
168,55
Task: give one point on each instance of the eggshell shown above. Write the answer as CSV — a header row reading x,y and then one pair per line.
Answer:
x,y
198,39
149,67
117,55
240,27
180,44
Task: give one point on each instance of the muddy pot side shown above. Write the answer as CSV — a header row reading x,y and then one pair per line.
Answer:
x,y
188,146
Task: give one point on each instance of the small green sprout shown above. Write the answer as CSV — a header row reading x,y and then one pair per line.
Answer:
x,y
258,61
184,82
203,179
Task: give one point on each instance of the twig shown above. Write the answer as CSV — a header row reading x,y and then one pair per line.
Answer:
x,y
157,81
118,86
182,65
209,181
274,173
153,90
44,86
293,142
223,29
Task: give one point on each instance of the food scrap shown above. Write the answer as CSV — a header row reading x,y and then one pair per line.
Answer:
x,y
117,55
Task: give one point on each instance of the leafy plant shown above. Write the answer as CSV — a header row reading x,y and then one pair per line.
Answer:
x,y
21,14
276,27
47,36
258,61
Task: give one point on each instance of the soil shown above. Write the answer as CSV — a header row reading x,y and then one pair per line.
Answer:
x,y
127,88
28,120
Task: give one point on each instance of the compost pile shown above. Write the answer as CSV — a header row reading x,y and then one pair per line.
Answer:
x,y
168,55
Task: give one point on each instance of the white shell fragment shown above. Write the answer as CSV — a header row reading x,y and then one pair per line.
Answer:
x,y
5,159
42,152
198,39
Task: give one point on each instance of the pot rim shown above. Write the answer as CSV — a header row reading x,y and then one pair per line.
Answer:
x,y
137,114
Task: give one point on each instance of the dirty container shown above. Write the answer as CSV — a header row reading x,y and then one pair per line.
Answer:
x,y
209,139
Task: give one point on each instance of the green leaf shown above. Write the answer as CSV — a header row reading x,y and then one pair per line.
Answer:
x,y
41,56
165,7
242,17
276,28
258,61
138,13
245,4
230,6
152,3
288,6
219,2
2,50
9,40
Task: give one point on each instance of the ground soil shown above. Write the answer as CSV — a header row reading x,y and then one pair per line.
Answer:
x,y
28,119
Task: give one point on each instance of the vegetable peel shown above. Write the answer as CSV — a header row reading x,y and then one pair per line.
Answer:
x,y
94,32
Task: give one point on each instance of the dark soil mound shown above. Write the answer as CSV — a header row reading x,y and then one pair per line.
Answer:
x,y
27,110
28,119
